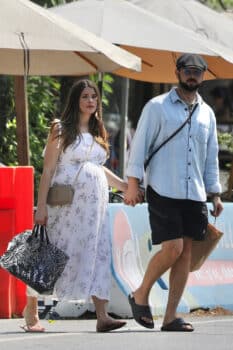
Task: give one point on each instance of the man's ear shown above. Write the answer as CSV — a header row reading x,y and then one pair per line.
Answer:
x,y
177,73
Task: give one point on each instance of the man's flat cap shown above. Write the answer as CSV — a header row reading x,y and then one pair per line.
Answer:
x,y
191,60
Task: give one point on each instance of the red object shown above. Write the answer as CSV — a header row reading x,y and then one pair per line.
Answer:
x,y
16,215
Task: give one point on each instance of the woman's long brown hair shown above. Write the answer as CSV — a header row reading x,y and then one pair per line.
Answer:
x,y
70,118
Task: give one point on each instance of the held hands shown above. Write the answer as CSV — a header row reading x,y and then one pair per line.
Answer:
x,y
133,195
217,206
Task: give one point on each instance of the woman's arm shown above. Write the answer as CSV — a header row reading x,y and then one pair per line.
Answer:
x,y
115,181
52,152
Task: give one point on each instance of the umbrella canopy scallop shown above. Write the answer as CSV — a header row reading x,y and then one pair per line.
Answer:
x,y
157,40
49,45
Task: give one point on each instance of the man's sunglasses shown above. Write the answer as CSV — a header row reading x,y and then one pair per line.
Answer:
x,y
192,71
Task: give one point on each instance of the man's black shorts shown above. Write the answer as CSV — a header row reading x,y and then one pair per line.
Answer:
x,y
175,218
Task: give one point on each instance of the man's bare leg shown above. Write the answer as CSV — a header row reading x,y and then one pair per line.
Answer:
x,y
177,281
160,263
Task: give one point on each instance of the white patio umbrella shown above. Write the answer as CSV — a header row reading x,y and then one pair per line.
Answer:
x,y
155,39
193,15
34,41
55,46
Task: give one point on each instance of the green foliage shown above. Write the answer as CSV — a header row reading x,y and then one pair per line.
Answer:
x,y
7,122
43,98
223,5
50,3
107,80
225,141
9,146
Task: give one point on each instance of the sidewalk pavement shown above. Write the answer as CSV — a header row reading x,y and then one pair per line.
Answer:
x,y
211,333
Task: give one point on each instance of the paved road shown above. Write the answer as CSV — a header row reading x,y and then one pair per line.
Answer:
x,y
210,334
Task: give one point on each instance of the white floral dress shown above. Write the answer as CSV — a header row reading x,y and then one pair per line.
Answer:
x,y
82,228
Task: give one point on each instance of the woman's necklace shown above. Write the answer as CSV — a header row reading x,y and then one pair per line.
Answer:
x,y
84,128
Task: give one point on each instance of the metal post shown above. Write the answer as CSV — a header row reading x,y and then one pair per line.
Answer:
x,y
124,122
100,82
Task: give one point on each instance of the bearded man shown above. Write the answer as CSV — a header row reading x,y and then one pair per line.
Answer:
x,y
178,178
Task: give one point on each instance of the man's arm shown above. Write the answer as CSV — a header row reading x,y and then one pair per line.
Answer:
x,y
148,127
211,175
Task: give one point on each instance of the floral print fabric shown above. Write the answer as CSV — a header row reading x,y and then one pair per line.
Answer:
x,y
81,229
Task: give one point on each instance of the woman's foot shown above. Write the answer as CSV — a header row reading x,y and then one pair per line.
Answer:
x,y
109,324
37,328
32,321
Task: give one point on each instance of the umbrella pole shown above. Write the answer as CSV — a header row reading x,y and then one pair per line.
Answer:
x,y
124,122
230,183
100,83
21,108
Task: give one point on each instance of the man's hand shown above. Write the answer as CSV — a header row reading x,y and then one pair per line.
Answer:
x,y
133,195
217,206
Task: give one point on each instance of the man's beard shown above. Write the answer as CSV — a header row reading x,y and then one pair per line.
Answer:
x,y
187,87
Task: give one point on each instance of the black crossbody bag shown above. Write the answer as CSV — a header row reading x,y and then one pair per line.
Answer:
x,y
170,137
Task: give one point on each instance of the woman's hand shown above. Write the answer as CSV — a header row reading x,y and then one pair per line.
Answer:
x,y
41,216
133,195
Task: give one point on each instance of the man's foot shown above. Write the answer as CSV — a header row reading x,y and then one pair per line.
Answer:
x,y
141,313
177,325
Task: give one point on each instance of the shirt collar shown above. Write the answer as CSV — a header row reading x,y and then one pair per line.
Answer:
x,y
175,97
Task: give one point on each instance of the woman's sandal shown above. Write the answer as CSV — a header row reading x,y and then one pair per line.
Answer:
x,y
140,312
33,329
110,326
177,325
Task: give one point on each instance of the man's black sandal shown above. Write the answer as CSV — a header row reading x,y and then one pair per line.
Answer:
x,y
177,325
140,312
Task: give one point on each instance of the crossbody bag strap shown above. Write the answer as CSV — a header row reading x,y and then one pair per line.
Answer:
x,y
170,137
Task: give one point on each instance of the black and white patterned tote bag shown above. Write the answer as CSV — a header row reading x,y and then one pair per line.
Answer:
x,y
34,260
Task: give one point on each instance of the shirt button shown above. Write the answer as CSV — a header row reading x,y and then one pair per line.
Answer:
x,y
186,109
190,136
189,163
189,149
189,178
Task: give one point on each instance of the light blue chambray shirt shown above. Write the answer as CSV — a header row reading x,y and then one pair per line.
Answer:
x,y
187,166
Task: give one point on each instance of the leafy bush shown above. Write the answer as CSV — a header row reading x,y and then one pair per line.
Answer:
x,y
225,141
43,103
